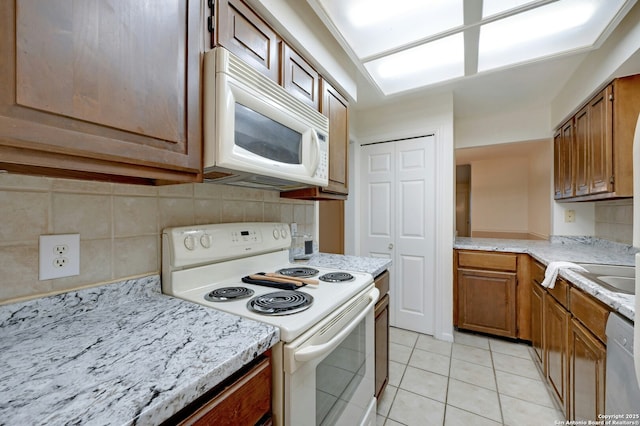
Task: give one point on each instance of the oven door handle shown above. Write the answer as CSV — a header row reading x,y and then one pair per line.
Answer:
x,y
310,352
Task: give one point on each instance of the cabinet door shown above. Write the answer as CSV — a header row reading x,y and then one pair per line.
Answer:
x,y
336,108
537,320
243,33
582,152
556,351
90,86
566,161
557,170
487,302
299,78
382,345
587,374
601,142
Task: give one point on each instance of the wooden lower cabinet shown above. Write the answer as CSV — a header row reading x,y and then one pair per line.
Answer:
x,y
487,302
382,334
245,400
537,321
587,372
382,345
556,349
568,337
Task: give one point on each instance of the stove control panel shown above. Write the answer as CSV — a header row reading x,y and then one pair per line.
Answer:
x,y
193,245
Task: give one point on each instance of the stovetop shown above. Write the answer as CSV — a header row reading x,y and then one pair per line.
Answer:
x,y
194,273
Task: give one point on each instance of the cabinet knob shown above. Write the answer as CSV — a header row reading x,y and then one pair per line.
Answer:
x,y
390,246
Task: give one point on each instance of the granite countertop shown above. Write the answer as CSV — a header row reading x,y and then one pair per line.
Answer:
x,y
119,354
372,265
571,249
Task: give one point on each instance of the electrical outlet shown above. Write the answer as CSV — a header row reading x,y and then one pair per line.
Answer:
x,y
569,216
294,228
59,256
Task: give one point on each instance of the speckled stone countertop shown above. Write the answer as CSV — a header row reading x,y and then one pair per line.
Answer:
x,y
373,265
570,249
119,354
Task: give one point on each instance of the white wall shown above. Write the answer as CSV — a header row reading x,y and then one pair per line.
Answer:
x,y
541,178
295,21
611,60
500,195
417,117
509,126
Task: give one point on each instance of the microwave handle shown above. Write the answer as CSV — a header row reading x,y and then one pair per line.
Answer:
x,y
311,352
315,152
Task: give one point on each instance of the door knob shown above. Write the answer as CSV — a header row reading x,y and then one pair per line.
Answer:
x,y
390,246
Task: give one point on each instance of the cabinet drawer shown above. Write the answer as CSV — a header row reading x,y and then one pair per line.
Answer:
x,y
382,283
589,312
483,260
537,272
560,292
244,402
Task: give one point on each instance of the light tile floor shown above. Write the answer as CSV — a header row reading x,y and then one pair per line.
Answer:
x,y
475,381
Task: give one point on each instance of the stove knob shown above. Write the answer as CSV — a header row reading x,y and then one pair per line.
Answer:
x,y
205,241
283,233
276,234
190,242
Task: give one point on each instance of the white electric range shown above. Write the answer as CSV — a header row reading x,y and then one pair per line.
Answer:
x,y
326,326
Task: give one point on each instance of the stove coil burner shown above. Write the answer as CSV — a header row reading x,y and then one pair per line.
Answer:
x,y
337,277
227,294
302,272
285,302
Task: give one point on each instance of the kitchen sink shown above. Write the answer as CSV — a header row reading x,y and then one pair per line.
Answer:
x,y
618,278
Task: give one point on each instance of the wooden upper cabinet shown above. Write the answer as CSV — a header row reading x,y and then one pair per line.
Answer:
x,y
564,161
600,142
582,141
299,78
101,90
241,31
603,145
336,108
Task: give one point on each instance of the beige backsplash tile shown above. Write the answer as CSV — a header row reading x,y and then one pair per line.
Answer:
x,y
19,266
25,216
119,225
88,215
136,256
135,216
207,211
175,212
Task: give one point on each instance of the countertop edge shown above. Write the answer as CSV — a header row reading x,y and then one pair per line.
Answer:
x,y
546,252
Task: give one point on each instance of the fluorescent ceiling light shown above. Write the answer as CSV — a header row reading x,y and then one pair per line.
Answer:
x,y
407,44
493,7
426,64
544,31
371,27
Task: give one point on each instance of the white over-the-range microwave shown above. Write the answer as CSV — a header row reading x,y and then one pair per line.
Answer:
x,y
256,134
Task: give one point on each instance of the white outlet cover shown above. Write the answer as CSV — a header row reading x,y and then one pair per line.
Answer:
x,y
48,243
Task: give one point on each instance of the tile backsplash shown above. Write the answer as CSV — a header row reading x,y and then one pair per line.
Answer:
x,y
614,220
119,225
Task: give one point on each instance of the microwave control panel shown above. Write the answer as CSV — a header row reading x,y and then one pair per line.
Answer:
x,y
322,171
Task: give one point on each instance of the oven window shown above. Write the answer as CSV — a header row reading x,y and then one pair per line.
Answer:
x,y
265,137
339,375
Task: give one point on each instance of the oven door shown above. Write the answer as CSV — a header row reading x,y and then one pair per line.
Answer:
x,y
329,370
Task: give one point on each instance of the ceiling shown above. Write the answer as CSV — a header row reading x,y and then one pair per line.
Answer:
x,y
531,82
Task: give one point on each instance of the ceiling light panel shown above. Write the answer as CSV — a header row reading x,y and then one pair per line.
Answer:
x,y
548,30
426,64
494,7
371,27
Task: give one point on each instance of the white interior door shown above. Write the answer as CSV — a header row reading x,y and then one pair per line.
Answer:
x,y
398,182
